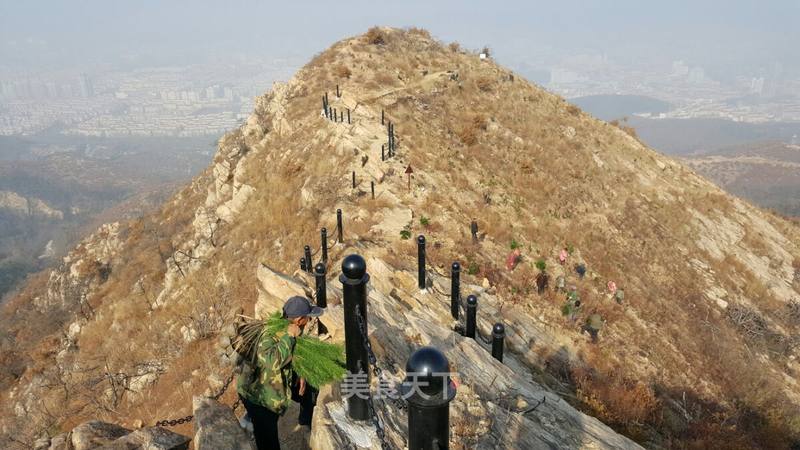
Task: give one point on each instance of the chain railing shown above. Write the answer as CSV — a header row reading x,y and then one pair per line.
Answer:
x,y
378,373
190,417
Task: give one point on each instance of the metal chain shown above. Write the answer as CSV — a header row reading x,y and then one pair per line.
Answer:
x,y
190,417
372,361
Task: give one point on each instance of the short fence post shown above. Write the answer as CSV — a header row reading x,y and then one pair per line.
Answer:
x,y
421,260
323,235
303,264
335,115
341,116
321,293
324,106
354,179
498,336
337,92
348,115
354,279
455,289
339,224
472,310
429,391
309,260
330,112
326,98
383,152
382,122
372,186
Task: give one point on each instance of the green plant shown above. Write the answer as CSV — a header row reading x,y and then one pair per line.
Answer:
x,y
570,249
514,244
405,234
473,268
541,264
424,221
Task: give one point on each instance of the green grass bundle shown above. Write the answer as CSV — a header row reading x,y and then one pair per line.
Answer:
x,y
319,363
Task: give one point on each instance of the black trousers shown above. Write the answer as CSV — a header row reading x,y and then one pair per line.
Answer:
x,y
265,425
265,421
307,401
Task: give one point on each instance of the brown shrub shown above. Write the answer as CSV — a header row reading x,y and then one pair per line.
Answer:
x,y
342,71
574,110
375,36
454,47
484,84
419,32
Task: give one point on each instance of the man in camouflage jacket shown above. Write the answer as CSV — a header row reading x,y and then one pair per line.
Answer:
x,y
266,389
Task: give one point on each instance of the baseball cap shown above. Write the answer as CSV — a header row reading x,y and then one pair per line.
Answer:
x,y
300,307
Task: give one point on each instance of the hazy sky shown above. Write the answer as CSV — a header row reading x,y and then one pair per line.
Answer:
x,y
713,33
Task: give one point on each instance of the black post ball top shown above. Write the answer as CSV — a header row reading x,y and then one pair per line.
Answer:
x,y
320,268
324,230
354,267
472,300
421,239
338,211
307,247
499,330
456,266
430,370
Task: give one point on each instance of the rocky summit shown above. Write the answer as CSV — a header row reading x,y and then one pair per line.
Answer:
x,y
693,295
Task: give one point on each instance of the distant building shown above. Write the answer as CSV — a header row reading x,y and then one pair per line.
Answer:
x,y
85,86
757,86
680,69
697,75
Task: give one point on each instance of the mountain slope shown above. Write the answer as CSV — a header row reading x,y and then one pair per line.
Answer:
x,y
767,173
123,328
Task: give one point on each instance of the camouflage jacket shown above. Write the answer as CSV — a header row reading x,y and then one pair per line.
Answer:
x,y
268,383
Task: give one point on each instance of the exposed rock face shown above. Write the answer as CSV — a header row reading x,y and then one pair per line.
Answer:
x,y
13,203
96,435
217,428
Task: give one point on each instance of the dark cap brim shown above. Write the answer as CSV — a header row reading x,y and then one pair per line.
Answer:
x,y
316,312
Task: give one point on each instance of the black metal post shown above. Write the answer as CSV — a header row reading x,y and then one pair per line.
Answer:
x,y
341,116
421,260
354,279
498,336
354,179
472,310
330,112
324,106
322,288
335,115
326,99
321,293
337,91
348,115
429,391
339,224
383,152
455,289
309,260
372,186
382,122
323,236
303,264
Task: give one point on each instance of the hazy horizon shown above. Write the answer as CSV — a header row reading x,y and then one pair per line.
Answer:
x,y
715,34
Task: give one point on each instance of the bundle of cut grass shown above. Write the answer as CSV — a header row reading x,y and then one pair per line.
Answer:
x,y
319,363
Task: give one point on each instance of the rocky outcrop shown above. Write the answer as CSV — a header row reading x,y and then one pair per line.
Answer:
x,y
96,435
15,204
217,428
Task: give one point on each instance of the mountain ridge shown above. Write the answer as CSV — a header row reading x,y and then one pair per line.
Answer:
x,y
704,273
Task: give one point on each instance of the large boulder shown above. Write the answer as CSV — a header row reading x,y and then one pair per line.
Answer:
x,y
154,438
216,427
94,434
